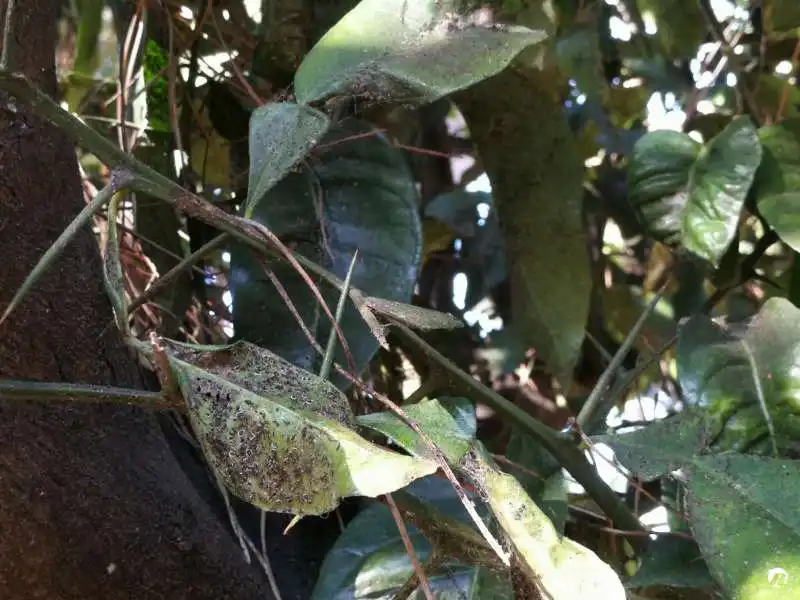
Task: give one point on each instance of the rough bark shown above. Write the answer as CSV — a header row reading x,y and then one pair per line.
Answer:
x,y
93,503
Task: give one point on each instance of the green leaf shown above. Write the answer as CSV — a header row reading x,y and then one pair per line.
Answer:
x,y
281,134
695,195
561,568
718,186
748,382
400,51
782,17
368,200
279,436
532,160
777,184
659,448
743,514
681,26
658,175
773,93
578,54
449,423
542,477
674,562
369,560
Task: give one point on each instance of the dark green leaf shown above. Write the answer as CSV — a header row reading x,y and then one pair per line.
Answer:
x,y
659,448
417,52
674,562
773,94
281,134
277,436
369,560
747,382
578,54
449,423
777,184
695,195
743,513
658,176
368,201
782,17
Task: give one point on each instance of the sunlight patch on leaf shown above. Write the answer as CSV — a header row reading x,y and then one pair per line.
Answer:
x,y
561,568
415,52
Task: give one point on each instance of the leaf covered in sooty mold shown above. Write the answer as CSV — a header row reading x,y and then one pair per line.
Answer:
x,y
279,436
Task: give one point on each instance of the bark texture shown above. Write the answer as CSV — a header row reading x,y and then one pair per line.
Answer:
x,y
93,504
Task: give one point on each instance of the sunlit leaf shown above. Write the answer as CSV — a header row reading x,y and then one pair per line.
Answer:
x,y
561,568
416,52
416,317
279,437
449,423
718,186
743,513
281,133
777,184
661,447
540,475
748,382
694,195
658,175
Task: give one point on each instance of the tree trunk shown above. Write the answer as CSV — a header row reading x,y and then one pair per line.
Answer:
x,y
93,503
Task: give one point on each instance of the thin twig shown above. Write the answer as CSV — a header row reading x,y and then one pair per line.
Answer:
x,y
595,400
176,271
563,449
440,459
330,348
412,554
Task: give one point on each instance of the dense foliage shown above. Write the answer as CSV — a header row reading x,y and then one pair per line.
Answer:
x,y
518,279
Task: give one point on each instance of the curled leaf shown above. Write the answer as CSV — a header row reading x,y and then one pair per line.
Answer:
x,y
277,436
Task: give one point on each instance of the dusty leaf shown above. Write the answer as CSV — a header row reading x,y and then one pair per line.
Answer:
x,y
278,436
742,510
561,568
414,52
281,133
